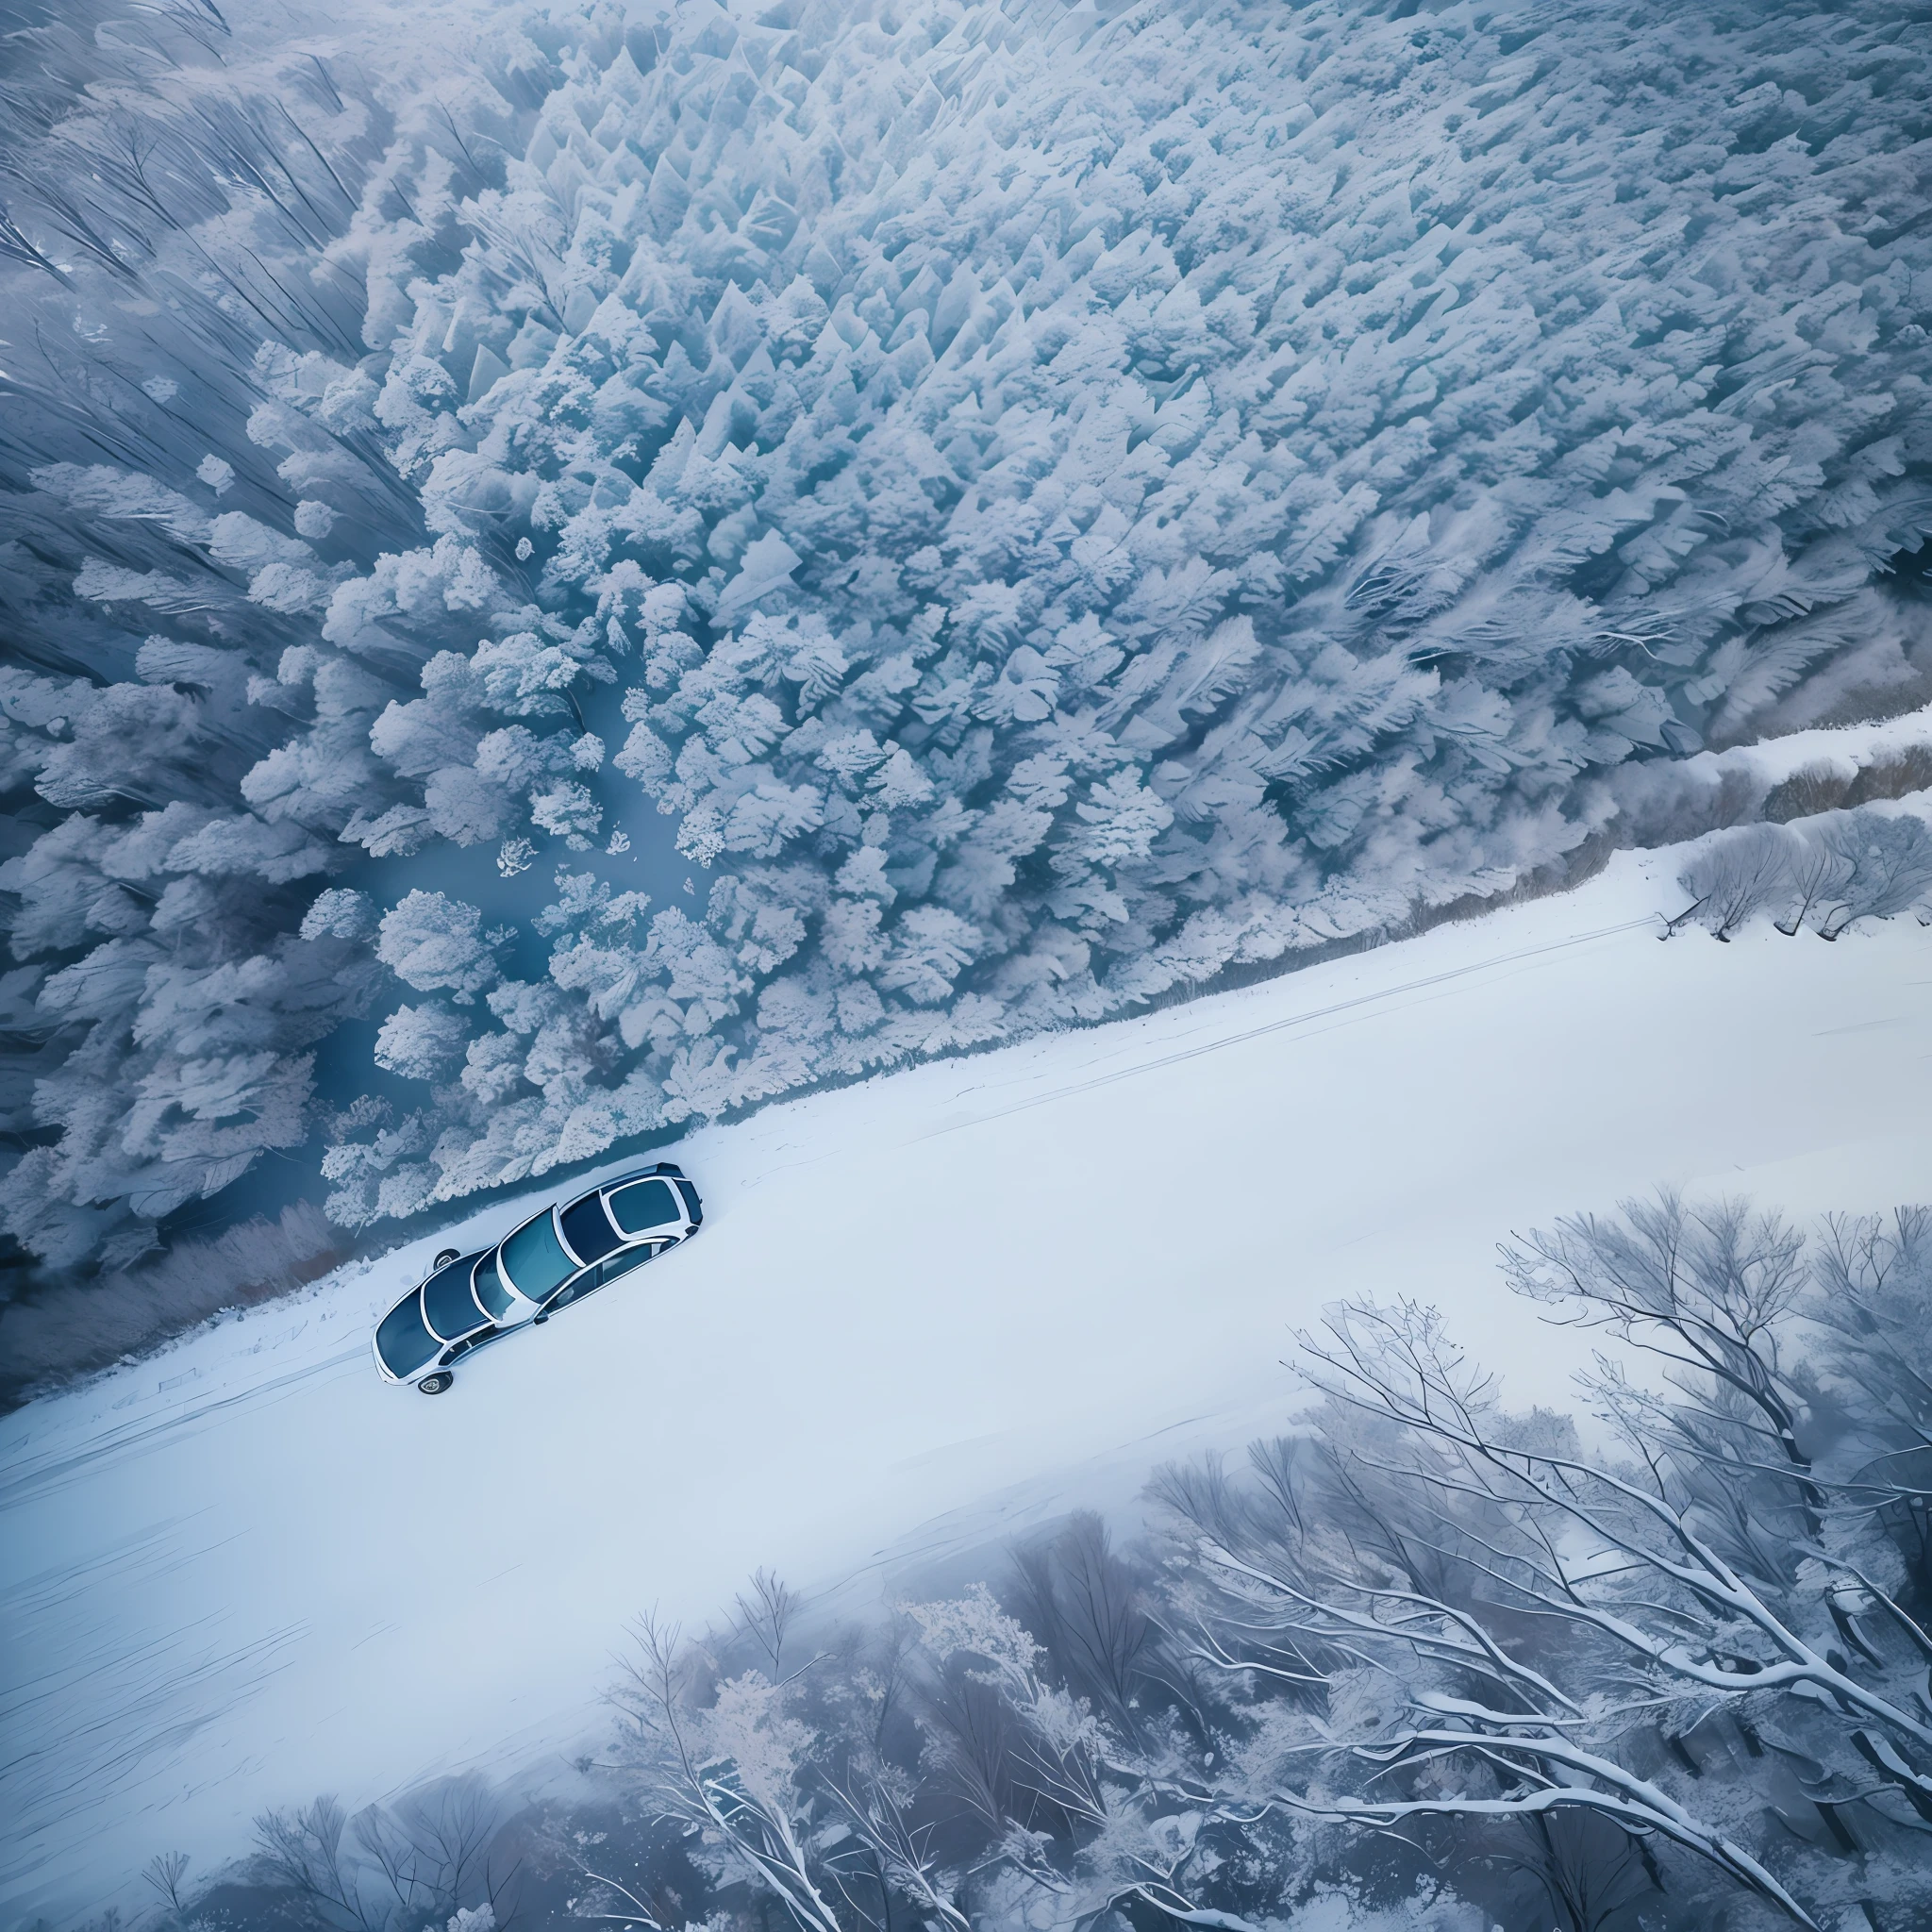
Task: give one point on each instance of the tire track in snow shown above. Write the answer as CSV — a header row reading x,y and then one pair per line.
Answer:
x,y
36,1479
170,1676
177,1684
1385,995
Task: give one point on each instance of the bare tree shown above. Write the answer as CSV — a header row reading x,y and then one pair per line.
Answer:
x,y
17,245
1817,872
1486,1625
1738,874
432,1850
766,1614
305,1851
1590,1870
1710,1291
1874,1301
392,1867
1482,1737
1081,1601
975,1743
450,1827
901,1854
164,1873
1078,1812
732,1771
1885,868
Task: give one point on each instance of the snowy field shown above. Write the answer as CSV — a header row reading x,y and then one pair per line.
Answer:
x,y
923,1311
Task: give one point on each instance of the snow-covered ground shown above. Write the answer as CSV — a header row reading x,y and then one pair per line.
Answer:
x,y
957,1298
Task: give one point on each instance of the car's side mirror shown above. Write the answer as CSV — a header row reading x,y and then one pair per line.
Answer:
x,y
541,1320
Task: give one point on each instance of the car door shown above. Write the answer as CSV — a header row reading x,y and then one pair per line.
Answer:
x,y
623,1262
628,1260
579,1285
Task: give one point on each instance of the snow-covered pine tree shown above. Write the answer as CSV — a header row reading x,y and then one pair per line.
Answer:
x,y
1052,504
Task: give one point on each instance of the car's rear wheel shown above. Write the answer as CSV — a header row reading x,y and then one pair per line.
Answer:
x,y
445,1256
436,1384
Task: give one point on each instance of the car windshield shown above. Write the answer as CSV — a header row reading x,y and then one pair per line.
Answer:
x,y
448,1302
534,1260
644,1204
490,1289
402,1341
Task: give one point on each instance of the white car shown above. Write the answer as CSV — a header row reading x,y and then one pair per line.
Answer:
x,y
554,1258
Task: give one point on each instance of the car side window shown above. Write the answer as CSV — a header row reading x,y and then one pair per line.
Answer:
x,y
623,1264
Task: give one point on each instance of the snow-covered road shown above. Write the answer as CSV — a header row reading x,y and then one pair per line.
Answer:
x,y
246,1572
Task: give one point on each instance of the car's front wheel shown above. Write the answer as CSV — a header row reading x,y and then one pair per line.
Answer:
x,y
436,1384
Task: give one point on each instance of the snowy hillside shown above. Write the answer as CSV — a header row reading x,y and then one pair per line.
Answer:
x,y
1022,507
922,1311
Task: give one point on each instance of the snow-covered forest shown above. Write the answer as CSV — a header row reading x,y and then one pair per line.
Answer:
x,y
1424,1664
569,569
